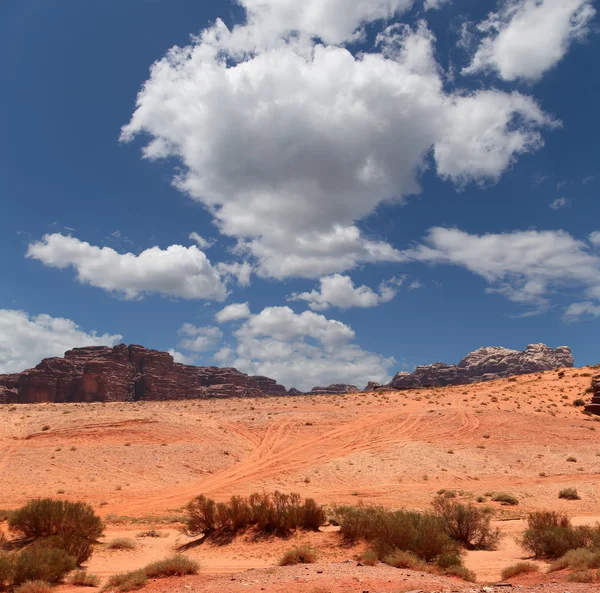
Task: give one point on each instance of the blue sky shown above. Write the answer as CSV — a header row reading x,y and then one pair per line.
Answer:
x,y
319,191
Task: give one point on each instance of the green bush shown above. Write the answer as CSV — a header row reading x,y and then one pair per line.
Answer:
x,y
569,494
126,581
176,565
401,559
551,535
423,534
34,587
462,573
42,563
449,559
301,555
505,499
84,579
578,559
467,524
269,513
369,558
519,568
73,525
7,568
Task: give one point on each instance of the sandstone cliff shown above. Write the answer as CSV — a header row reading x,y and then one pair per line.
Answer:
x,y
127,373
486,364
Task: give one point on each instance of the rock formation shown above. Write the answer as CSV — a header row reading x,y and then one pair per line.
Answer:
x,y
333,389
127,373
594,406
486,364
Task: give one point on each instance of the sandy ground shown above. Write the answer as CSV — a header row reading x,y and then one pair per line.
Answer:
x,y
139,463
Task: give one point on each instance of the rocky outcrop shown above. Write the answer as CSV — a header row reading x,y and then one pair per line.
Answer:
x,y
486,364
594,406
335,389
127,373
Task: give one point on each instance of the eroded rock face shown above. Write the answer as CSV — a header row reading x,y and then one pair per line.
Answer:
x,y
486,364
337,388
594,406
127,373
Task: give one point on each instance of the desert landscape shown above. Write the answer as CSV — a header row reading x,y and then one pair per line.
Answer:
x,y
138,464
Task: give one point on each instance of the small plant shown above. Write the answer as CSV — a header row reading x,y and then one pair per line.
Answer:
x,y
571,459
581,576
369,558
122,543
579,403
34,587
126,581
45,427
81,578
569,494
401,559
462,573
578,559
520,568
505,499
301,555
41,563
176,565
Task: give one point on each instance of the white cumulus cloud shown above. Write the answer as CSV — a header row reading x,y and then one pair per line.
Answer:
x,y
339,291
200,241
302,350
290,144
233,312
526,38
25,340
182,358
177,271
525,266
199,339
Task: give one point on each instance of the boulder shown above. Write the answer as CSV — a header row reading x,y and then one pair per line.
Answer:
x,y
127,373
486,364
594,406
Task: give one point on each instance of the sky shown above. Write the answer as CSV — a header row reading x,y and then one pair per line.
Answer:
x,y
325,191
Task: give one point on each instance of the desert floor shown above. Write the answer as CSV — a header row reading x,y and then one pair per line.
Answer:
x,y
139,464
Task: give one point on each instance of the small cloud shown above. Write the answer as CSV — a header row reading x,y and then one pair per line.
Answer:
x,y
200,241
182,358
233,312
416,284
538,179
587,179
559,203
561,184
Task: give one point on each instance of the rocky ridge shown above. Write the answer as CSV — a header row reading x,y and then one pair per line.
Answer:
x,y
334,389
594,406
485,364
128,373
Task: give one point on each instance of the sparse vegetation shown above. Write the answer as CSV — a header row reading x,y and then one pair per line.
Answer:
x,y
121,543
579,402
505,499
581,576
467,524
176,565
402,559
81,578
301,555
461,572
42,563
569,494
369,558
551,535
578,559
519,568
268,513
34,587
126,581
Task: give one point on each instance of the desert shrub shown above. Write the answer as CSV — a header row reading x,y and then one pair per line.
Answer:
x,y
84,579
505,499
126,581
176,565
369,558
449,559
401,559
461,572
301,555
423,534
578,559
122,543
581,576
7,567
42,563
519,568
467,524
551,535
269,513
579,402
569,494
34,587
73,526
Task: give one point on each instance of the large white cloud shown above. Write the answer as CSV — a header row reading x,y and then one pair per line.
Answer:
x,y
177,271
302,350
339,291
233,312
524,266
289,144
199,339
25,340
526,38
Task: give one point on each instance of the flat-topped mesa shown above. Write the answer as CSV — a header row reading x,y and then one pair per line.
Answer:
x,y
486,364
127,373
594,406
335,389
